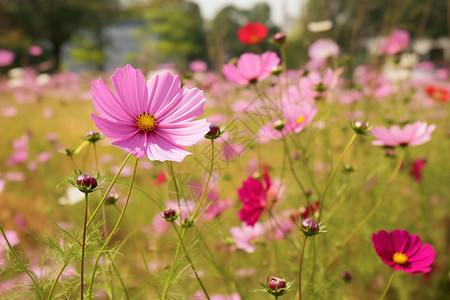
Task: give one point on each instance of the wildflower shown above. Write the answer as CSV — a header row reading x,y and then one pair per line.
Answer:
x,y
156,119
416,169
6,57
346,276
245,235
251,67
252,33
404,252
316,86
170,215
253,197
279,37
276,286
322,49
213,133
437,93
198,66
35,50
414,134
397,42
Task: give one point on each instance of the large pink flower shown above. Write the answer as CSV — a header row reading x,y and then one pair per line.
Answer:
x,y
251,67
243,236
404,252
156,119
414,134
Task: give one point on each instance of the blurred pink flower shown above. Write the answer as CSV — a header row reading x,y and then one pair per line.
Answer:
x,y
198,66
323,49
315,85
216,206
296,116
251,67
6,57
404,252
414,134
200,295
243,236
10,111
156,119
20,154
35,50
44,157
397,42
14,176
12,237
416,169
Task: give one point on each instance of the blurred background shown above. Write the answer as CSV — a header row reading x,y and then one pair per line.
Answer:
x,y
100,35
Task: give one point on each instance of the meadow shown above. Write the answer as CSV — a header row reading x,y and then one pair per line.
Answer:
x,y
355,150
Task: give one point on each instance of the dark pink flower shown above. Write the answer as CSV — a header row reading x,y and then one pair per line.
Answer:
x,y
156,119
397,42
416,169
251,67
404,252
414,134
252,33
253,197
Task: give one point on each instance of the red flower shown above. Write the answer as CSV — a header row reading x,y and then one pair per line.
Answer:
x,y
416,169
437,93
160,179
252,33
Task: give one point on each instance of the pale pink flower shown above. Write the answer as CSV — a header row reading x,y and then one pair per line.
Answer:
x,y
14,176
215,206
251,67
20,154
35,50
198,66
397,42
6,57
323,49
44,157
12,237
315,85
156,119
414,134
245,235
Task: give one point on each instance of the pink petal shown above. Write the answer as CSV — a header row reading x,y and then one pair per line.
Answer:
x,y
107,104
232,74
136,144
249,65
113,129
184,134
162,90
185,108
161,149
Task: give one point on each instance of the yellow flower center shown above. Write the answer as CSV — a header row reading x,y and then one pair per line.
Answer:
x,y
400,258
146,122
254,38
300,119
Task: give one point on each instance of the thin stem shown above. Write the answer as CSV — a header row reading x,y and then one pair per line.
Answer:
x,y
172,172
300,270
108,190
31,275
83,244
190,261
52,289
105,229
184,229
401,157
333,173
116,227
287,154
387,286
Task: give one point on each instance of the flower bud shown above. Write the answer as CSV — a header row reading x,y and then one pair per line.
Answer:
x,y
93,136
276,283
169,215
277,70
214,132
346,276
112,198
87,181
279,37
361,127
279,125
310,225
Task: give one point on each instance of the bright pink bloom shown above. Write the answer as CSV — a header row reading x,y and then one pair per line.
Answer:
x,y
322,49
244,235
414,134
35,50
416,169
397,42
253,197
156,119
251,67
252,33
402,251
6,57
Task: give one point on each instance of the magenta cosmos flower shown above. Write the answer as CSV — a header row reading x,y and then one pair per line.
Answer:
x,y
414,134
404,252
251,67
156,119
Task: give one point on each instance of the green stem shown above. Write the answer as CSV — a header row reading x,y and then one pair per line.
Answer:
x,y
105,229
291,165
83,244
175,184
31,275
300,270
190,261
184,229
116,227
401,157
52,289
108,190
387,286
333,173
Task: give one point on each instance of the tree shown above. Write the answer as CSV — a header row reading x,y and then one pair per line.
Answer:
x,y
55,21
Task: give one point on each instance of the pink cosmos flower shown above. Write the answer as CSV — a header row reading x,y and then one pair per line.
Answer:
x,y
395,43
156,119
322,49
315,85
216,206
253,197
6,57
416,169
20,154
251,67
198,66
244,235
35,50
414,134
404,252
